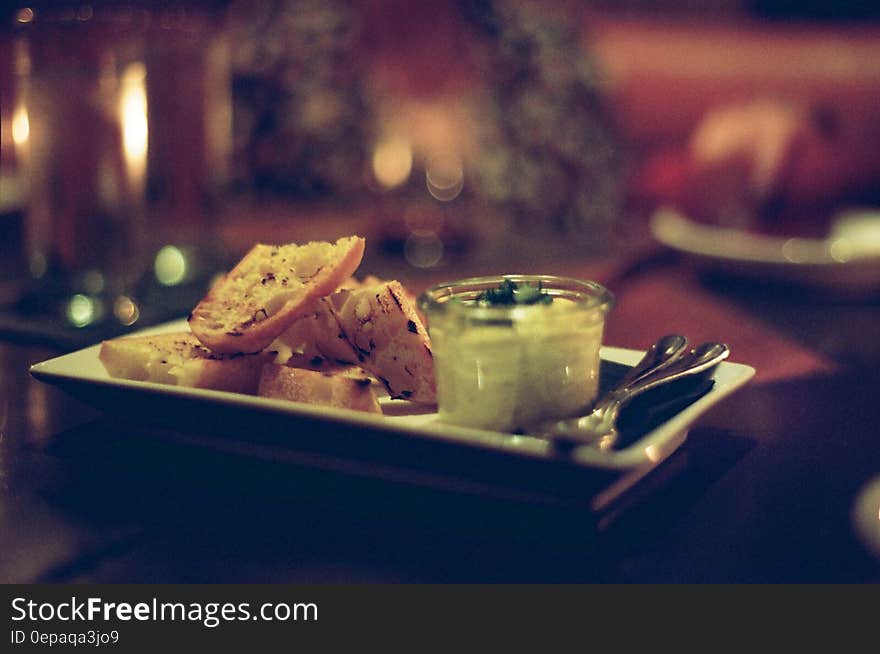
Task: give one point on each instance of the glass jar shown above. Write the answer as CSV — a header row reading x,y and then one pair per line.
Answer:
x,y
509,367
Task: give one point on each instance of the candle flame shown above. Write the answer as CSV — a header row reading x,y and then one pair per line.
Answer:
x,y
21,126
133,118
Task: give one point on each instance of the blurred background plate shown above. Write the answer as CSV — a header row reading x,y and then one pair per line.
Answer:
x,y
846,261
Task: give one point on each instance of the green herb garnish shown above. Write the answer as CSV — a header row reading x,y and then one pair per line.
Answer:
x,y
510,293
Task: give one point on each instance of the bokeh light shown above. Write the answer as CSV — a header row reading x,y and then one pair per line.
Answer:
x,y
444,176
83,310
126,310
423,251
93,282
170,266
422,221
25,15
392,162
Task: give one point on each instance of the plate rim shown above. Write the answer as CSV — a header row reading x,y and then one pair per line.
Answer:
x,y
741,246
648,451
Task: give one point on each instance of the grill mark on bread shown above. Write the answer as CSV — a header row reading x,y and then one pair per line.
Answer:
x,y
395,298
269,289
386,383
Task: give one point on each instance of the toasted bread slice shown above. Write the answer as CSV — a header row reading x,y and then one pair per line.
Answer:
x,y
318,336
268,290
376,327
344,389
389,338
180,359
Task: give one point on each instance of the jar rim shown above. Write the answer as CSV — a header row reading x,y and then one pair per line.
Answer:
x,y
586,295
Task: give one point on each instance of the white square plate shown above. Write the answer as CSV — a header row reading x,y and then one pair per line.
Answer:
x,y
81,374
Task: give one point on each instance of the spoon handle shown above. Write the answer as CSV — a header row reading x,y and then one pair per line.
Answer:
x,y
661,354
696,361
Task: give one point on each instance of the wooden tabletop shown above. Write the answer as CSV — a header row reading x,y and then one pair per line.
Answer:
x,y
763,490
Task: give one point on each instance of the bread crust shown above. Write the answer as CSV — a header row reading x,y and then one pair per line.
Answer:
x,y
342,389
268,290
179,359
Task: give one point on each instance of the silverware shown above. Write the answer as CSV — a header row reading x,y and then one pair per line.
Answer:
x,y
665,351
666,361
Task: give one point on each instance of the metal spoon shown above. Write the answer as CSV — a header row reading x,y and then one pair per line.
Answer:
x,y
666,350
599,426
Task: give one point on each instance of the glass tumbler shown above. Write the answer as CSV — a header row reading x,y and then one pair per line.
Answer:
x,y
84,155
125,156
